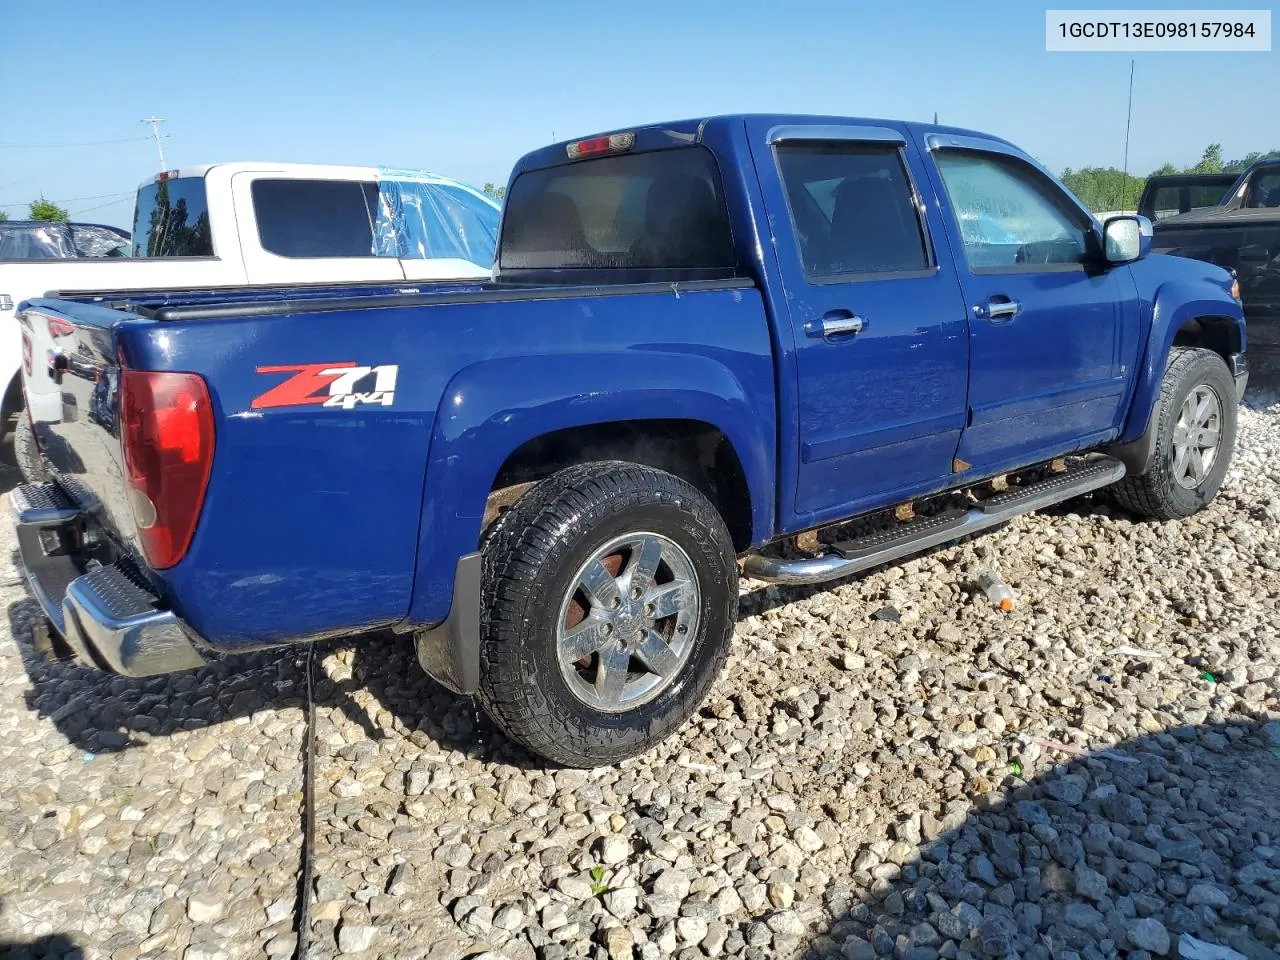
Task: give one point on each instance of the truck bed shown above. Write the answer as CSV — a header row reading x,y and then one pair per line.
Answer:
x,y
320,519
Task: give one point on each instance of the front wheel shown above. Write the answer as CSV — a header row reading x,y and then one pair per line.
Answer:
x,y
610,593
1195,422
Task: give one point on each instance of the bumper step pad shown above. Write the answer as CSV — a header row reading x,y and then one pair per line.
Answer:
x,y
106,612
42,503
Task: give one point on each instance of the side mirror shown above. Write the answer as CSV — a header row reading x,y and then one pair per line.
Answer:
x,y
1126,238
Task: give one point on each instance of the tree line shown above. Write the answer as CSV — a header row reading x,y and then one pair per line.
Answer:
x,y
1106,188
43,209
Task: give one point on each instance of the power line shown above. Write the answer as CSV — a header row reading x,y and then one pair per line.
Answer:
x,y
103,206
100,196
59,146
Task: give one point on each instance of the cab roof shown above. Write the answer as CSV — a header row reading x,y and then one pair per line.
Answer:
x,y
656,135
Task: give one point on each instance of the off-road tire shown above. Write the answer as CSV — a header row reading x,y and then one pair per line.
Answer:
x,y
25,452
1156,493
530,560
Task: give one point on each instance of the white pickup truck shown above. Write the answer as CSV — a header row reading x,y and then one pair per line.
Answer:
x,y
234,224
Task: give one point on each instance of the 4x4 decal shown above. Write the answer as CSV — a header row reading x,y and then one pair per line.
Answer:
x,y
330,384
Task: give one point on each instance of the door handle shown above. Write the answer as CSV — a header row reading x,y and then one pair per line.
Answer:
x,y
994,308
834,324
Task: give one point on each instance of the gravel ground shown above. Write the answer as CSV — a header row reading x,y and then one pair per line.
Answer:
x,y
888,768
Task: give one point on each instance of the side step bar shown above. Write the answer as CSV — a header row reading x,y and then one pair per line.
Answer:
x,y
913,536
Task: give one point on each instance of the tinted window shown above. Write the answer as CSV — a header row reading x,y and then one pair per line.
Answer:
x,y
1010,217
649,211
1172,200
853,209
315,218
172,220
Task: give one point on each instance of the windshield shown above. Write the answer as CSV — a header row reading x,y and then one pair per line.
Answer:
x,y
93,240
1264,191
35,241
423,220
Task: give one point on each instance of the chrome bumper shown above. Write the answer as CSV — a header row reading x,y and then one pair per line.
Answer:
x,y
105,612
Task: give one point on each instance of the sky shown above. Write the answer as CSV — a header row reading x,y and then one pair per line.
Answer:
x,y
465,90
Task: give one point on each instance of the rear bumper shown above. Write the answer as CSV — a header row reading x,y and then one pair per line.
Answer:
x,y
104,611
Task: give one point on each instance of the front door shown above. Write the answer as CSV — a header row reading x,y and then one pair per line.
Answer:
x,y
877,317
1053,328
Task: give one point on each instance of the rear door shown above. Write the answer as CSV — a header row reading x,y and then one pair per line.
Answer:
x,y
1053,330
310,230
876,313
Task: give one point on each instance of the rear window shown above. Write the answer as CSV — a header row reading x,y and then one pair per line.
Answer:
x,y
660,211
316,218
1170,201
172,220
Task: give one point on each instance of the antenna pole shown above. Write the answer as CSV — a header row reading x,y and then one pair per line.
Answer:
x,y
155,132
1124,188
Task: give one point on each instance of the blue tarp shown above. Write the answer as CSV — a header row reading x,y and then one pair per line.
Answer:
x,y
422,217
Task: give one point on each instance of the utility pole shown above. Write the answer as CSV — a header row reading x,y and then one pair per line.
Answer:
x,y
1124,184
155,132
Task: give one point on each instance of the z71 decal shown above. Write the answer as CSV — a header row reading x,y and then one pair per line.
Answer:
x,y
343,384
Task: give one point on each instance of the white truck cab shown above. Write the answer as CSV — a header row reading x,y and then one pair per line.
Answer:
x,y
235,224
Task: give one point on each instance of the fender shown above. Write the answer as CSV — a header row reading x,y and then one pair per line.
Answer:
x,y
491,408
1174,303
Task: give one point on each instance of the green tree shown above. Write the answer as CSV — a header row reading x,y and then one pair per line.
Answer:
x,y
1104,188
494,191
1211,161
1238,166
3,216
43,209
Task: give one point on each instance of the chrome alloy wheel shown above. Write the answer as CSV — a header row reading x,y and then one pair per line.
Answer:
x,y
1196,436
628,622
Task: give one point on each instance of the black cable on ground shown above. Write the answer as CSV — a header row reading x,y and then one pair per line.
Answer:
x,y
303,910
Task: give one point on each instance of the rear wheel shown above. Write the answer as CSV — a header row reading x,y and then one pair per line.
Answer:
x,y
25,451
1195,422
610,594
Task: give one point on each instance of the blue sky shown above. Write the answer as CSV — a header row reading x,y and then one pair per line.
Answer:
x,y
464,90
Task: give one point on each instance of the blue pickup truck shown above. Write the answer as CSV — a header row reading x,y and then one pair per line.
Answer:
x,y
778,345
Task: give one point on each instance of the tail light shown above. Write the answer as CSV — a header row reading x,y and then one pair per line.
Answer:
x,y
166,431
599,146
60,328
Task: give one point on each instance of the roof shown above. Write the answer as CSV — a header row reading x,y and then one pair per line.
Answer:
x,y
306,170
691,130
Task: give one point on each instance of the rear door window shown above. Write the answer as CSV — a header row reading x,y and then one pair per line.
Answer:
x,y
853,208
315,218
661,211
172,219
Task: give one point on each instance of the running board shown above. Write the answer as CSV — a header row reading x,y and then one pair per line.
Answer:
x,y
913,536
